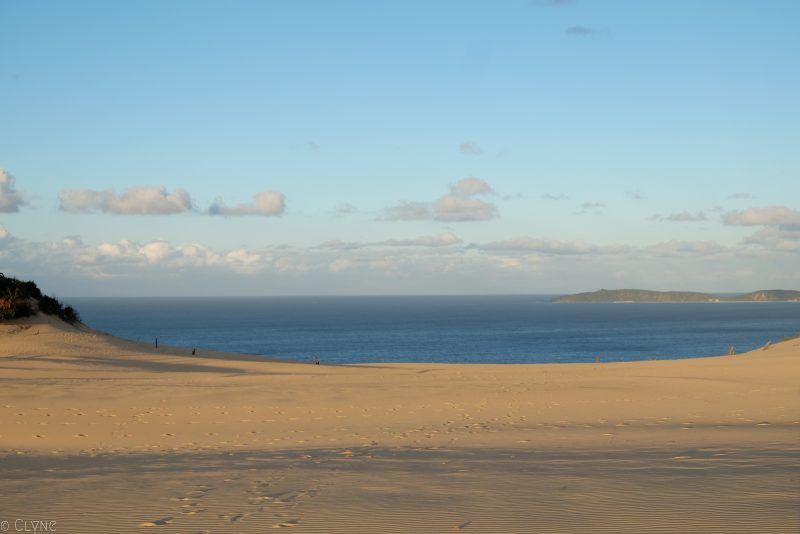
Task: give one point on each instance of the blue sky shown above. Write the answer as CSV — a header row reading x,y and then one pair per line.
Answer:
x,y
408,147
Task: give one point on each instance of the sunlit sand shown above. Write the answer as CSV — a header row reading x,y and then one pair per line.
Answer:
x,y
104,435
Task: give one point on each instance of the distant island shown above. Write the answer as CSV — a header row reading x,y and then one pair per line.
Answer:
x,y
643,295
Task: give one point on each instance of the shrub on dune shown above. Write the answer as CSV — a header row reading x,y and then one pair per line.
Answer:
x,y
17,300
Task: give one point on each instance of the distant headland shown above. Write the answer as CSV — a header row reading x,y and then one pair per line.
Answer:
x,y
643,295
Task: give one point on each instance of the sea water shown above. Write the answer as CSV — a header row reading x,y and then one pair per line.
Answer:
x,y
453,329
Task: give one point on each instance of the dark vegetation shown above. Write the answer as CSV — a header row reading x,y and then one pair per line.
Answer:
x,y
21,299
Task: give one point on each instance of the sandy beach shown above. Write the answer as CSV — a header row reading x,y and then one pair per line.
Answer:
x,y
103,435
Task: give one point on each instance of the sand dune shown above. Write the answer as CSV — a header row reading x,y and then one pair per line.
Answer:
x,y
104,435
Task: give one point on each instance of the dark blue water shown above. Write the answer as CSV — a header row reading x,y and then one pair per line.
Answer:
x,y
463,329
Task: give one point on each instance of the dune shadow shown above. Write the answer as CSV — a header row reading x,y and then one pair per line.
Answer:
x,y
126,363
433,461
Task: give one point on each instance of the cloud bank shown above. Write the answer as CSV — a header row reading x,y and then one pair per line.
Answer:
x,y
428,263
781,227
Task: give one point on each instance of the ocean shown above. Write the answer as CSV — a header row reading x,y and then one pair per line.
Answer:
x,y
452,329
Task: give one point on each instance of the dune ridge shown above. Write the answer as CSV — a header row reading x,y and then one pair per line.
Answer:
x,y
105,435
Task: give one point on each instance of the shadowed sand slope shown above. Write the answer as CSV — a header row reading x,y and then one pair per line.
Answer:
x,y
103,435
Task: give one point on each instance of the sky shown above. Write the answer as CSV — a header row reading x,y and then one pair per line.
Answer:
x,y
355,147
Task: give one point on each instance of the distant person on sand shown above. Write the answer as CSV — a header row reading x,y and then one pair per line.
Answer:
x,y
193,351
156,342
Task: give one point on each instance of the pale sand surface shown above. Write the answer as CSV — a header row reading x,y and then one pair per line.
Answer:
x,y
103,435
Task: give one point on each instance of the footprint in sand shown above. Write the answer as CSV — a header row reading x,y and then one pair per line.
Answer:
x,y
233,518
157,522
462,526
286,524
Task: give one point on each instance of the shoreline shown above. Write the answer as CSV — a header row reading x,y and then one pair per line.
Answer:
x,y
510,332
204,353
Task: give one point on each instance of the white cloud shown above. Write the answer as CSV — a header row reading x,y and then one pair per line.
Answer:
x,y
457,206
10,199
265,203
446,239
243,261
143,200
771,216
470,186
785,239
559,197
309,146
781,232
132,258
685,248
122,249
582,31
155,251
340,265
345,208
683,216
3,232
548,246
470,149
408,211
525,263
